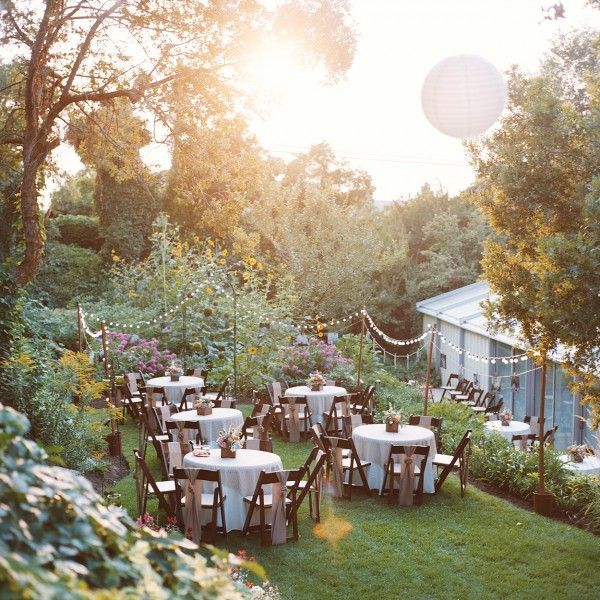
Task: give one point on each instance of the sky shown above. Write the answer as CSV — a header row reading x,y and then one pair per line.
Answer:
x,y
373,118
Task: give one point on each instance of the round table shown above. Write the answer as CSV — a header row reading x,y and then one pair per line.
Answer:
x,y
589,466
373,443
174,389
318,402
238,478
220,418
507,431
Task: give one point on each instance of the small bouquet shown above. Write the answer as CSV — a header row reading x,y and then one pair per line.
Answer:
x,y
577,453
230,441
204,406
392,418
316,381
506,417
175,371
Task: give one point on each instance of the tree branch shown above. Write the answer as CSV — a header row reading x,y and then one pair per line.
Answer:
x,y
11,138
20,33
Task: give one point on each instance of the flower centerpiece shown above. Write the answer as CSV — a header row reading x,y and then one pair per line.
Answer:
x,y
175,371
229,441
577,453
506,417
316,381
392,417
204,406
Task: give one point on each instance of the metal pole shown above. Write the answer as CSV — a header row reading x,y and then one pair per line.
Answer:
x,y
104,348
79,344
183,334
360,350
234,342
543,501
429,369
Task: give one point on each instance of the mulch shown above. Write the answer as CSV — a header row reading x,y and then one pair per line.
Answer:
x,y
117,469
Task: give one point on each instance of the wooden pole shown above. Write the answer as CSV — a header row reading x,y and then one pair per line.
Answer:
x,y
360,350
104,348
79,342
431,338
543,501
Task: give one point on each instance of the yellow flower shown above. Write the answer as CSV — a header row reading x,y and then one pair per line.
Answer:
x,y
221,261
132,294
250,260
115,258
245,275
253,350
208,290
209,253
210,243
259,266
224,252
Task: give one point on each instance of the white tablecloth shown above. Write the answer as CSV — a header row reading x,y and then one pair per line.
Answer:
x,y
514,428
589,466
373,444
238,477
318,402
220,418
174,389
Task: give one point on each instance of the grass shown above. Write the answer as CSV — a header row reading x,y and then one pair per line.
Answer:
x,y
479,546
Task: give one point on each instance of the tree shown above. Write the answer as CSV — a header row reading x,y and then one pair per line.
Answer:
x,y
541,192
69,61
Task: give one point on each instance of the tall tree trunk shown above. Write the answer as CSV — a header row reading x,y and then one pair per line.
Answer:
x,y
30,216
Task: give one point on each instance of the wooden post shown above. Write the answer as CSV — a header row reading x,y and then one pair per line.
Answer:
x,y
79,342
543,501
104,348
431,338
360,350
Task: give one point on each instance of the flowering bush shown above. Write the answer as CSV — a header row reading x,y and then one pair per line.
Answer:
x,y
129,353
148,522
243,577
298,362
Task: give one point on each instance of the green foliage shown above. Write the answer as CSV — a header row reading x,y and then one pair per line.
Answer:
x,y
68,274
458,418
77,230
57,326
76,196
59,539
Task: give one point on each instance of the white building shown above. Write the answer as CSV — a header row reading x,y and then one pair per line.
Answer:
x,y
458,317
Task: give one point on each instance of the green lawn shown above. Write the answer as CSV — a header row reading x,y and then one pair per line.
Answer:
x,y
476,547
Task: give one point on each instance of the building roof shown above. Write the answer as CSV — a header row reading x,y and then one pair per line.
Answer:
x,y
462,307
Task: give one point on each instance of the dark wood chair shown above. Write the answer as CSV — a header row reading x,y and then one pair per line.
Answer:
x,y
462,392
164,491
190,430
222,403
353,421
304,414
457,461
155,395
550,435
215,501
534,424
333,418
261,501
221,394
190,395
134,405
493,410
170,456
263,440
351,463
394,469
312,485
449,385
483,402
524,441
160,416
203,373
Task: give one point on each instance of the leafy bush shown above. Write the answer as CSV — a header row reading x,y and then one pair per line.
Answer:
x,y
57,326
58,538
78,230
458,418
68,274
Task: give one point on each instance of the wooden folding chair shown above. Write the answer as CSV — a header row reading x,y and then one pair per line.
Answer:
x,y
350,463
304,414
394,469
462,392
333,418
550,435
215,501
221,394
459,460
255,435
482,403
170,456
163,490
160,416
534,424
189,430
312,485
222,403
353,421
449,385
524,441
134,405
262,501
203,373
190,396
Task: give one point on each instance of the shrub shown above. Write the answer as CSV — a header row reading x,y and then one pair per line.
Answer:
x,y
78,230
457,420
68,274
59,539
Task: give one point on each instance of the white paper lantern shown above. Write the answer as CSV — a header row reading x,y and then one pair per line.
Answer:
x,y
463,95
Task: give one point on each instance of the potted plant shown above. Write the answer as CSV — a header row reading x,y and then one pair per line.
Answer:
x,y
204,406
175,371
506,417
392,418
577,453
229,441
316,381
114,437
